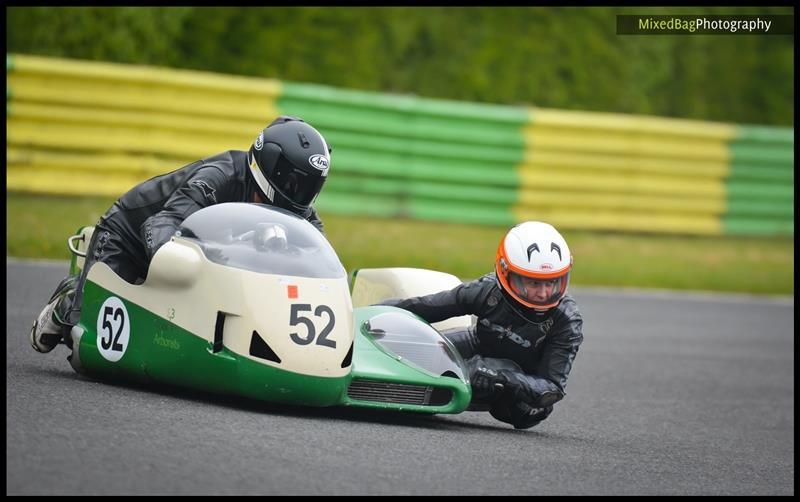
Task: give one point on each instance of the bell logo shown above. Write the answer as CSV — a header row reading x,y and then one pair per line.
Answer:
x,y
546,266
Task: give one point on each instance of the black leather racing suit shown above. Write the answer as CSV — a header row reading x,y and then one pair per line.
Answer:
x,y
533,350
127,236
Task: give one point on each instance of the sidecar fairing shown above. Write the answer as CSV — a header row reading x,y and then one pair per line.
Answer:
x,y
251,300
247,299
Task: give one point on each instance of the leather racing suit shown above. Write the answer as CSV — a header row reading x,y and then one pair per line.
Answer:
x,y
534,351
128,235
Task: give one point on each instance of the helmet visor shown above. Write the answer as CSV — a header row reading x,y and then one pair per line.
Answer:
x,y
297,185
536,291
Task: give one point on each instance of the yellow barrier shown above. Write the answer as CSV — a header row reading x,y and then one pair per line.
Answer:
x,y
103,127
618,172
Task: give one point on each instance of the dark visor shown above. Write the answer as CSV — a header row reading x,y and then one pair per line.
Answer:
x,y
295,184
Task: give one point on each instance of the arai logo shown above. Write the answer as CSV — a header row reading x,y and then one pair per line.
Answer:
x,y
259,141
319,161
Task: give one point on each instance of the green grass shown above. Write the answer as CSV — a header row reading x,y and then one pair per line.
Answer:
x,y
38,226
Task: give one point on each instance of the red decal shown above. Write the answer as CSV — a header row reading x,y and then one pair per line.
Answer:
x,y
292,290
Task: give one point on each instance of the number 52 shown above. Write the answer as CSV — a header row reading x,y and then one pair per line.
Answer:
x,y
296,319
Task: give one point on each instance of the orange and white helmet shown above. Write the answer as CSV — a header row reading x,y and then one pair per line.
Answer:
x,y
533,264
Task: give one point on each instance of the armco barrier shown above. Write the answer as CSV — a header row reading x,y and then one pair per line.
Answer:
x,y
78,127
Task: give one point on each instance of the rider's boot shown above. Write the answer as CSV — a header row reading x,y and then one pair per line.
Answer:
x,y
49,328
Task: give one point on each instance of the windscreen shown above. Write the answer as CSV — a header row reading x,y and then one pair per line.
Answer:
x,y
416,341
262,238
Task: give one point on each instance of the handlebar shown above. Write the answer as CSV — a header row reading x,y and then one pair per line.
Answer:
x,y
75,249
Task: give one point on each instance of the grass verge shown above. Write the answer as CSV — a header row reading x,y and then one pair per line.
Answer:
x,y
37,227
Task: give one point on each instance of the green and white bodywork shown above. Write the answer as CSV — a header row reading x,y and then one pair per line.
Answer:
x,y
253,301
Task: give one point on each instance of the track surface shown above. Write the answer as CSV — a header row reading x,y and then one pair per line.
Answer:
x,y
670,394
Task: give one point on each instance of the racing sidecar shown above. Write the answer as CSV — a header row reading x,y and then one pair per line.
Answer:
x,y
251,300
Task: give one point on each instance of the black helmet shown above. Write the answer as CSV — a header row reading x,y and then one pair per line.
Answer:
x,y
289,161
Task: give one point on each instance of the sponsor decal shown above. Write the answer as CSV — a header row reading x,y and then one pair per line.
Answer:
x,y
546,266
259,144
291,291
208,190
167,343
318,161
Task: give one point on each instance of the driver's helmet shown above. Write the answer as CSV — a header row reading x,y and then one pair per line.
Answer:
x,y
289,161
533,264
271,237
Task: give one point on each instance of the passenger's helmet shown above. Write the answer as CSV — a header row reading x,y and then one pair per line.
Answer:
x,y
289,161
533,264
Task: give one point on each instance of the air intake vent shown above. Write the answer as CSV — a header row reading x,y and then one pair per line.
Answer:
x,y
348,359
398,393
219,328
259,348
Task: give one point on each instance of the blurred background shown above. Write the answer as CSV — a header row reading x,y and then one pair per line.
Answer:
x,y
666,161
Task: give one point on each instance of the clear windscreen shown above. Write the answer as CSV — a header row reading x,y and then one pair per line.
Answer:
x,y
417,342
262,238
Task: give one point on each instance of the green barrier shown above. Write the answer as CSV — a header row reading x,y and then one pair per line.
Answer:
x,y
457,171
408,104
336,116
338,139
366,205
764,134
780,155
461,213
750,208
774,191
762,173
419,208
757,226
405,189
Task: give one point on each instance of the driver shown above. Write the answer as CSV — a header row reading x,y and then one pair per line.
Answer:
x,y
528,330
286,166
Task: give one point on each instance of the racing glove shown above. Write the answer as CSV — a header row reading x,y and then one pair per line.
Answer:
x,y
487,383
518,413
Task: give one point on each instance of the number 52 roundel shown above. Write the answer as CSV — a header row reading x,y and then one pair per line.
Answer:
x,y
113,329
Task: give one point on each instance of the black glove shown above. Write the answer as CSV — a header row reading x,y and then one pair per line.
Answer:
x,y
519,414
487,383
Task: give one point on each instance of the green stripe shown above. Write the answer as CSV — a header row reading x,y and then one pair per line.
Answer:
x,y
462,213
335,116
750,153
760,208
757,226
412,188
413,207
339,139
455,171
765,134
364,205
406,104
406,156
761,173
760,188
746,190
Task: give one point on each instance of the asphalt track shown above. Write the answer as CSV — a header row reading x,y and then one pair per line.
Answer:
x,y
669,395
